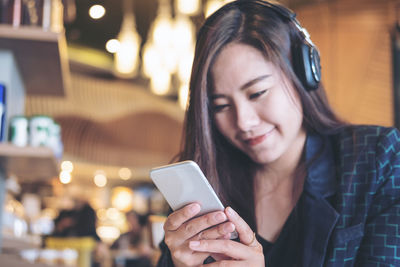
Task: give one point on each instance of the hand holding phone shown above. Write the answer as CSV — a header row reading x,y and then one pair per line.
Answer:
x,y
183,183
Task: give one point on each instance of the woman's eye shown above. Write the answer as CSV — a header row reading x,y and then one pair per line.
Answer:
x,y
258,94
219,108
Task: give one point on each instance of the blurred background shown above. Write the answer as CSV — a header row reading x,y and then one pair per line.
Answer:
x,y
93,95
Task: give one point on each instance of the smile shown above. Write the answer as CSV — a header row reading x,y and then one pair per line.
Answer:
x,y
258,139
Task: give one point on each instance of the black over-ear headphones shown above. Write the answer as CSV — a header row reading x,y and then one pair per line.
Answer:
x,y
306,60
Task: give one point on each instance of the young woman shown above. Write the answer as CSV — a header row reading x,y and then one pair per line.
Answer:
x,y
301,187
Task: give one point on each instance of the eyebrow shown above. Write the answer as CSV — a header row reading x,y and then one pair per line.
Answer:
x,y
254,81
244,86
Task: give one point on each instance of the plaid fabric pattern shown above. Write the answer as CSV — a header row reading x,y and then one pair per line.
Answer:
x,y
367,199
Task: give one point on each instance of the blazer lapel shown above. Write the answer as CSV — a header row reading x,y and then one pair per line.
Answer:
x,y
320,217
319,220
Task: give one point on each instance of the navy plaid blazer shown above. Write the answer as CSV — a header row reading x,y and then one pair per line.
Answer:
x,y
353,185
351,200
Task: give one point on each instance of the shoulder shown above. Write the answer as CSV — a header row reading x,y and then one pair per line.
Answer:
x,y
365,148
368,136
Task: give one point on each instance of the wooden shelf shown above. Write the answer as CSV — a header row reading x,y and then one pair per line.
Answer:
x,y
28,163
41,57
11,243
14,260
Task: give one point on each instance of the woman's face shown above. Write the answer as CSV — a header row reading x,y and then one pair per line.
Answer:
x,y
255,108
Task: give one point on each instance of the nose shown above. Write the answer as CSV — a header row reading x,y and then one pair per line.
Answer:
x,y
246,116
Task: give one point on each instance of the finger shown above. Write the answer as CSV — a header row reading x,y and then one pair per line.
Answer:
x,y
246,234
177,218
193,227
230,263
229,248
189,258
219,257
221,231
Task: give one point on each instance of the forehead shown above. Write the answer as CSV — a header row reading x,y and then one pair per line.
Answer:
x,y
237,64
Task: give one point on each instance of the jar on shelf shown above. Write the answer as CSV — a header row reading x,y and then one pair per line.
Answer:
x,y
40,130
19,131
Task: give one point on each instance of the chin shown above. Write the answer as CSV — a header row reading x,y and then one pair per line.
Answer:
x,y
264,159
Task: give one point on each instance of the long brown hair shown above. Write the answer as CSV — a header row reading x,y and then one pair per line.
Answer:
x,y
229,170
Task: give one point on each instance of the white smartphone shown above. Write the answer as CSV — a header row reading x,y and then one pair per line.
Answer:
x,y
183,183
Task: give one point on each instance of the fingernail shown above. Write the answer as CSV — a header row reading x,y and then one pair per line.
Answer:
x,y
195,208
229,227
194,243
220,217
230,211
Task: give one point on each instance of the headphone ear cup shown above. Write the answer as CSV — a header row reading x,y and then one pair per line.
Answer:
x,y
306,64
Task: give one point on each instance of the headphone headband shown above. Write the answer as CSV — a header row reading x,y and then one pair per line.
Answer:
x,y
306,59
288,14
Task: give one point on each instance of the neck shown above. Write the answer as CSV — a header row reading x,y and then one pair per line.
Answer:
x,y
285,171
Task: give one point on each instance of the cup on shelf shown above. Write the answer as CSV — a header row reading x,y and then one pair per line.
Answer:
x,y
30,255
69,257
39,130
19,131
49,256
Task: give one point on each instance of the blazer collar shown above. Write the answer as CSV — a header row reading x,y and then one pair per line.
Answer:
x,y
321,166
320,217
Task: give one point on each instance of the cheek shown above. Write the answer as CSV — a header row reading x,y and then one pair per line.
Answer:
x,y
288,108
220,123
224,125
296,110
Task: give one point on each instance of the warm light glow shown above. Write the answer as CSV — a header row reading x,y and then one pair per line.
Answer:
x,y
212,6
113,214
183,96
112,46
108,233
101,214
185,66
67,166
169,59
125,173
126,58
122,198
160,83
150,60
169,48
49,213
65,177
100,179
97,11
188,7
162,32
162,40
183,33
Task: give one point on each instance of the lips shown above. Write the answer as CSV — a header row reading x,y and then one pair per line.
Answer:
x,y
256,140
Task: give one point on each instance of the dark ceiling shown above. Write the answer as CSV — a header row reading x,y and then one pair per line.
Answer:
x,y
86,31
83,30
